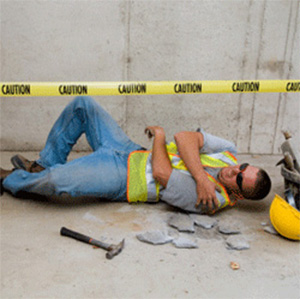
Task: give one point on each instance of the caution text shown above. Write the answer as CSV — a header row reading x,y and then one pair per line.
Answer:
x,y
188,87
73,89
293,86
245,86
16,89
132,88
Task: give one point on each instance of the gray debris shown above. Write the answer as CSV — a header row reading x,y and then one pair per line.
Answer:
x,y
237,243
271,230
182,242
90,217
208,234
183,222
228,229
173,232
155,237
204,221
263,223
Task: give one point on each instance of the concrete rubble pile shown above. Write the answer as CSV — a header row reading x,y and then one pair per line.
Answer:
x,y
185,225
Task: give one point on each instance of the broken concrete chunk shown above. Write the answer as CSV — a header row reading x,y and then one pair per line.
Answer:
x,y
173,232
237,243
208,234
155,237
182,242
183,222
228,229
271,230
204,221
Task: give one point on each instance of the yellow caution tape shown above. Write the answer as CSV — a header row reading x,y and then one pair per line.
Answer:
x,y
32,89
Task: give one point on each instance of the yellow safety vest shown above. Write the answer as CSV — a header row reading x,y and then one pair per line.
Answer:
x,y
142,187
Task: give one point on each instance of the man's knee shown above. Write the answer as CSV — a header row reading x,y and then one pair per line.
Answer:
x,y
82,105
83,101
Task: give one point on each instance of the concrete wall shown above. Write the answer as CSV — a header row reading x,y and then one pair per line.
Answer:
x,y
154,40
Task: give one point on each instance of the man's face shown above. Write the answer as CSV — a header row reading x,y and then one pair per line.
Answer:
x,y
228,177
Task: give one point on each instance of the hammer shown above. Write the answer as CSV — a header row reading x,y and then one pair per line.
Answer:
x,y
112,250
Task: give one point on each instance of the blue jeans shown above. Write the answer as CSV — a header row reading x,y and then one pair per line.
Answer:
x,y
102,173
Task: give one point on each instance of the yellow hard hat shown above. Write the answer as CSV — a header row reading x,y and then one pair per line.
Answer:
x,y
285,218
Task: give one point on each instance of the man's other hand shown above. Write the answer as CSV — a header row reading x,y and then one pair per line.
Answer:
x,y
206,192
152,131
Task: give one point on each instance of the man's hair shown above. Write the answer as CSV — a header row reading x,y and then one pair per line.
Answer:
x,y
261,188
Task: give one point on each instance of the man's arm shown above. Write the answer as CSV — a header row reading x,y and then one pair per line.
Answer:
x,y
161,165
189,145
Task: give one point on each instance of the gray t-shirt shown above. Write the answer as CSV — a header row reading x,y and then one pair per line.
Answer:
x,y
181,188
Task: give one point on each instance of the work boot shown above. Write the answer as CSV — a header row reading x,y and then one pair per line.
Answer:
x,y
3,174
21,162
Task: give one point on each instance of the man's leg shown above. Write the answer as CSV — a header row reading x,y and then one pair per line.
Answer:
x,y
83,115
101,174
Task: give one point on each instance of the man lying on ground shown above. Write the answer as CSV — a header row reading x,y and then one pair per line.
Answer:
x,y
198,173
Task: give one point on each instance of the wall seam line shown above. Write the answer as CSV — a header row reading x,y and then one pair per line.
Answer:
x,y
127,62
288,73
256,75
243,71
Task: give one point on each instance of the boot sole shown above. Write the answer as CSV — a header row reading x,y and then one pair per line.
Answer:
x,y
17,162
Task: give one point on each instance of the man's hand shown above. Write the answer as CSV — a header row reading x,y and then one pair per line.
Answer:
x,y
189,145
206,191
152,131
161,165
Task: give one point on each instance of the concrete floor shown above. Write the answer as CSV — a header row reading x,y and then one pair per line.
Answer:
x,y
36,262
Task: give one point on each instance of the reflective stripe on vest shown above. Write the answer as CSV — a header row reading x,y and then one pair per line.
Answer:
x,y
136,178
225,201
142,187
222,159
214,161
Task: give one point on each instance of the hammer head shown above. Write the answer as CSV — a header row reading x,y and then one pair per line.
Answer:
x,y
114,250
